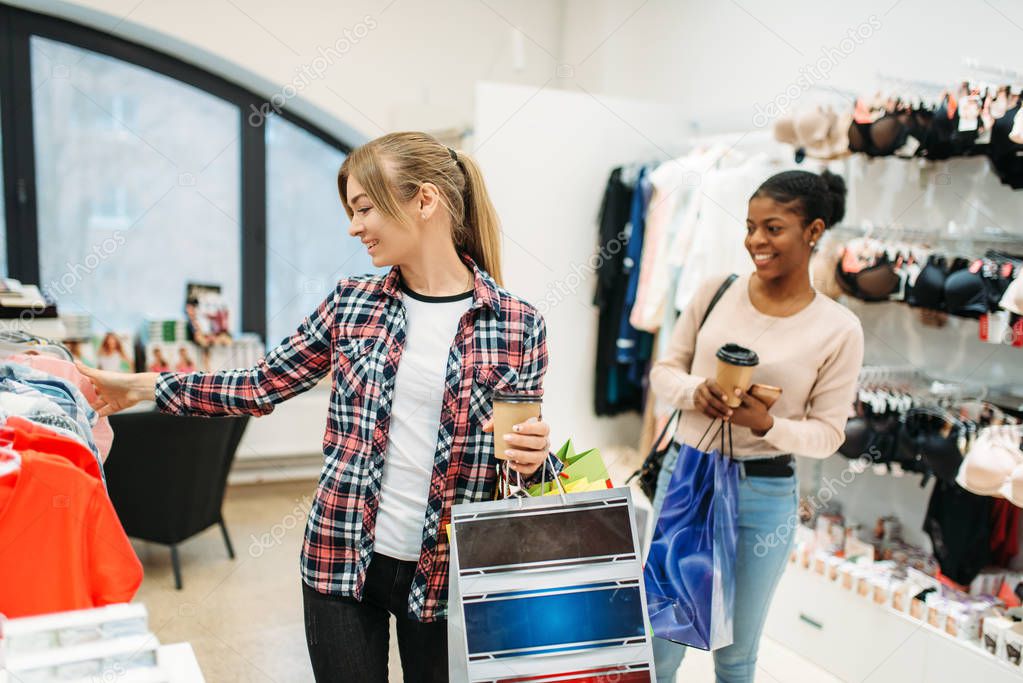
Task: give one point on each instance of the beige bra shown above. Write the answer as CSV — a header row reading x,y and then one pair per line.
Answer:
x,y
994,464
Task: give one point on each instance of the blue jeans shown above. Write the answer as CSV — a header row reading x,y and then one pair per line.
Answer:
x,y
767,519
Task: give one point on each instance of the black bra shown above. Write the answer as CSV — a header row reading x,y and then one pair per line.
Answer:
x,y
938,141
922,446
1006,156
882,137
966,294
928,291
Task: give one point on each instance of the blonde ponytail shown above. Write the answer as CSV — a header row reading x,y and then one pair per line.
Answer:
x,y
393,167
483,229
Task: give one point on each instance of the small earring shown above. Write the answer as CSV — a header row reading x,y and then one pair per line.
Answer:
x,y
813,244
424,215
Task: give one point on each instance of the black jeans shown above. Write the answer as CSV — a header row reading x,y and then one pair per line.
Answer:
x,y
348,639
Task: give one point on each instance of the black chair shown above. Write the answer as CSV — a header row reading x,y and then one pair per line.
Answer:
x,y
166,475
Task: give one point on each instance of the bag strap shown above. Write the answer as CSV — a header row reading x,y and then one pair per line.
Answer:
x,y
706,314
678,411
717,297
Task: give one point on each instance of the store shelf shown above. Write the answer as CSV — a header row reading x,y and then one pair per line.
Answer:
x,y
858,640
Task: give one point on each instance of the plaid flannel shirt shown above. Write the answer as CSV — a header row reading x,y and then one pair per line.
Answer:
x,y
358,335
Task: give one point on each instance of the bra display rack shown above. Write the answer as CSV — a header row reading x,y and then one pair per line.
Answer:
x,y
951,238
965,273
908,422
976,115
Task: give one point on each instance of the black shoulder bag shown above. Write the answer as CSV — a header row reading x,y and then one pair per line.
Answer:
x,y
651,467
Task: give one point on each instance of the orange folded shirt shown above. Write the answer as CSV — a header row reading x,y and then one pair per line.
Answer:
x,y
62,546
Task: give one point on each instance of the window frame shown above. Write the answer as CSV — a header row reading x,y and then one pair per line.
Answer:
x,y
17,26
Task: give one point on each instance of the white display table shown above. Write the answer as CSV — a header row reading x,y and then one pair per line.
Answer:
x,y
858,640
178,660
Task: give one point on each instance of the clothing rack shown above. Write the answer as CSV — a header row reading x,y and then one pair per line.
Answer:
x,y
882,374
14,341
910,82
849,95
992,69
915,381
965,241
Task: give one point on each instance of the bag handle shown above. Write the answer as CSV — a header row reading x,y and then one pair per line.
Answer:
x,y
723,429
678,411
504,482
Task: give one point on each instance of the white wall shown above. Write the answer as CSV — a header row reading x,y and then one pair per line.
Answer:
x,y
722,59
547,154
398,65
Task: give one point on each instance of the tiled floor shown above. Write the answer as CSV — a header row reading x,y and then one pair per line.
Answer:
x,y
244,617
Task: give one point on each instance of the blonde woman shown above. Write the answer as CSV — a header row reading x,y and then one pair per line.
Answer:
x,y
414,357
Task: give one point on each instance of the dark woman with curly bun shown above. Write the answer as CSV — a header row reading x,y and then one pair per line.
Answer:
x,y
809,346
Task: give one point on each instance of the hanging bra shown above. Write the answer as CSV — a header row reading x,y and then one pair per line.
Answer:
x,y
977,290
1005,155
889,133
879,138
938,142
1012,297
873,283
857,434
925,441
859,129
994,464
966,294
928,291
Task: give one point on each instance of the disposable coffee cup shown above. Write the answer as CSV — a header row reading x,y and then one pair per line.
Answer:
x,y
512,408
735,371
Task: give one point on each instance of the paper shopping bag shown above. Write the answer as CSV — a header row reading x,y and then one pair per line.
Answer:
x,y
546,588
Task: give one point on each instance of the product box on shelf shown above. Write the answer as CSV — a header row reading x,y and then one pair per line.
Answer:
x,y
1013,638
994,629
830,536
831,570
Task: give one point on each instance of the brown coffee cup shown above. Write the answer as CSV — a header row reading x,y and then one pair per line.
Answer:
x,y
735,371
510,409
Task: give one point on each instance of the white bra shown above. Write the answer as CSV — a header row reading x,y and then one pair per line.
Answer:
x,y
994,464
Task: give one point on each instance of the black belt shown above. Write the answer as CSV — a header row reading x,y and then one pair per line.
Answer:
x,y
778,466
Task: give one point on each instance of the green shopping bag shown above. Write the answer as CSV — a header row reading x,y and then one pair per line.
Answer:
x,y
580,472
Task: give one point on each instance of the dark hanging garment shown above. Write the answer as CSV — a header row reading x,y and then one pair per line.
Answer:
x,y
634,346
959,524
613,391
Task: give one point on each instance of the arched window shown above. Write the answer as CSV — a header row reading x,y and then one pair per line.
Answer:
x,y
129,173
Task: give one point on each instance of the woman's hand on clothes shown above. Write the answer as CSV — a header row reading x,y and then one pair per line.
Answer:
x,y
117,391
752,413
709,399
527,448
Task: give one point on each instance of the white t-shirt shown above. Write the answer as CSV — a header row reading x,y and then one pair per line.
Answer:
x,y
431,324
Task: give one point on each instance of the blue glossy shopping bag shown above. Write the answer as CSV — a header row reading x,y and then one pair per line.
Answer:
x,y
690,570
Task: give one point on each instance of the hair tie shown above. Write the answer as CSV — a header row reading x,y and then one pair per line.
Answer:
x,y
454,156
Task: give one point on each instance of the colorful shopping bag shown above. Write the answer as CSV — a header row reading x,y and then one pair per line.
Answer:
x,y
547,588
584,471
690,569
